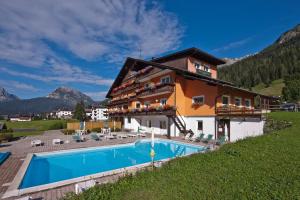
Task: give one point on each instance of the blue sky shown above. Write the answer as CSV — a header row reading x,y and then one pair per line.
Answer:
x,y
83,44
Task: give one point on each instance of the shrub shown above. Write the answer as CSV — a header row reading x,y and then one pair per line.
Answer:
x,y
57,125
88,131
6,136
98,130
68,132
275,125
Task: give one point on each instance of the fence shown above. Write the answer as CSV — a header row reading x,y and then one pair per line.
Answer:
x,y
96,124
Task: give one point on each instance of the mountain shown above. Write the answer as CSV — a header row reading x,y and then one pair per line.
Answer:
x,y
5,96
280,59
61,98
70,95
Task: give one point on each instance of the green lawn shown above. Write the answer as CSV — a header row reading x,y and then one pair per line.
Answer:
x,y
265,167
274,89
38,125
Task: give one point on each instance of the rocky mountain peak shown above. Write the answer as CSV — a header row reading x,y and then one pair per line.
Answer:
x,y
5,96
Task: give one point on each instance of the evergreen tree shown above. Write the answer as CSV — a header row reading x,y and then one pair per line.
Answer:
x,y
79,112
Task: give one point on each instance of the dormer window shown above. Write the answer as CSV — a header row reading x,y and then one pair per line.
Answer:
x,y
165,79
197,66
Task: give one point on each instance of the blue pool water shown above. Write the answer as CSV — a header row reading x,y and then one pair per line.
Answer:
x,y
49,168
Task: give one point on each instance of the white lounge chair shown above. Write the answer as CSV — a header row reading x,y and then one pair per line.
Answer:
x,y
80,187
187,136
25,198
141,135
122,136
36,143
110,137
131,135
56,141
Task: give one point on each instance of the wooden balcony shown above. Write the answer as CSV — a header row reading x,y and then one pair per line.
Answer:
x,y
158,89
161,110
204,73
233,111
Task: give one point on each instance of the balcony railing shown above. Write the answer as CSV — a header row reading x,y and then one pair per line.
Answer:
x,y
159,110
237,111
204,73
158,89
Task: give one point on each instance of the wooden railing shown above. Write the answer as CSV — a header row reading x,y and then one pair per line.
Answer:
x,y
167,87
237,111
159,110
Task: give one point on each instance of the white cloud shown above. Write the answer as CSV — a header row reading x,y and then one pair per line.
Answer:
x,y
14,86
91,30
233,45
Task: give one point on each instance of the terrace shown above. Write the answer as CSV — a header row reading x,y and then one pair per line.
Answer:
x,y
237,111
22,147
151,110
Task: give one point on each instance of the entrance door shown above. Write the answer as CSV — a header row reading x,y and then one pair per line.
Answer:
x,y
224,128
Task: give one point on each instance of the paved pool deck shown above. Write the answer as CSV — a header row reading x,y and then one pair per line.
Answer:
x,y
22,147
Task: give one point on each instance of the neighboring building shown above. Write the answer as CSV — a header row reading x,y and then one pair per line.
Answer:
x,y
99,114
88,113
64,114
180,93
20,118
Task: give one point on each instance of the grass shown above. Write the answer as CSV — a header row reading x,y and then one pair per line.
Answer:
x,y
274,89
264,167
38,125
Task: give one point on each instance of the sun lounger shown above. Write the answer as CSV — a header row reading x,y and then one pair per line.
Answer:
x,y
110,137
208,139
95,137
187,136
80,187
141,135
78,138
100,134
36,143
221,140
131,135
194,137
199,138
25,198
56,141
122,136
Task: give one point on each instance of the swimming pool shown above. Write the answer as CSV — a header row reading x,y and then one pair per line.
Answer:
x,y
54,167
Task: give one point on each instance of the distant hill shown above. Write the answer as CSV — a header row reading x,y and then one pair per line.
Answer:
x,y
5,96
278,60
61,98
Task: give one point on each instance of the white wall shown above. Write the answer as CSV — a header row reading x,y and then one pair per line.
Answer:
x,y
240,129
208,124
141,121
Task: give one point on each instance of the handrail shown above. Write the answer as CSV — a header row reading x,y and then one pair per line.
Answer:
x,y
181,118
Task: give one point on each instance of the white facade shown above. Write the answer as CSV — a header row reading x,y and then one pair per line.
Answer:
x,y
64,114
99,114
20,119
240,128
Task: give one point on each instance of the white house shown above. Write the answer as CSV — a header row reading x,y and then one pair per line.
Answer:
x,y
64,114
99,114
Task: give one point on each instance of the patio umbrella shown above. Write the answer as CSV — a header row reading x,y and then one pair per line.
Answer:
x,y
152,152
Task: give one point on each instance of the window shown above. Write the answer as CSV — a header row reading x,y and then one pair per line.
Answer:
x,y
200,125
129,120
197,65
199,100
248,103
162,124
163,102
137,105
225,100
149,123
147,104
206,68
237,101
165,79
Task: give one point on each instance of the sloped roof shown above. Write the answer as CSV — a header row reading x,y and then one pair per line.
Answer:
x,y
195,52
